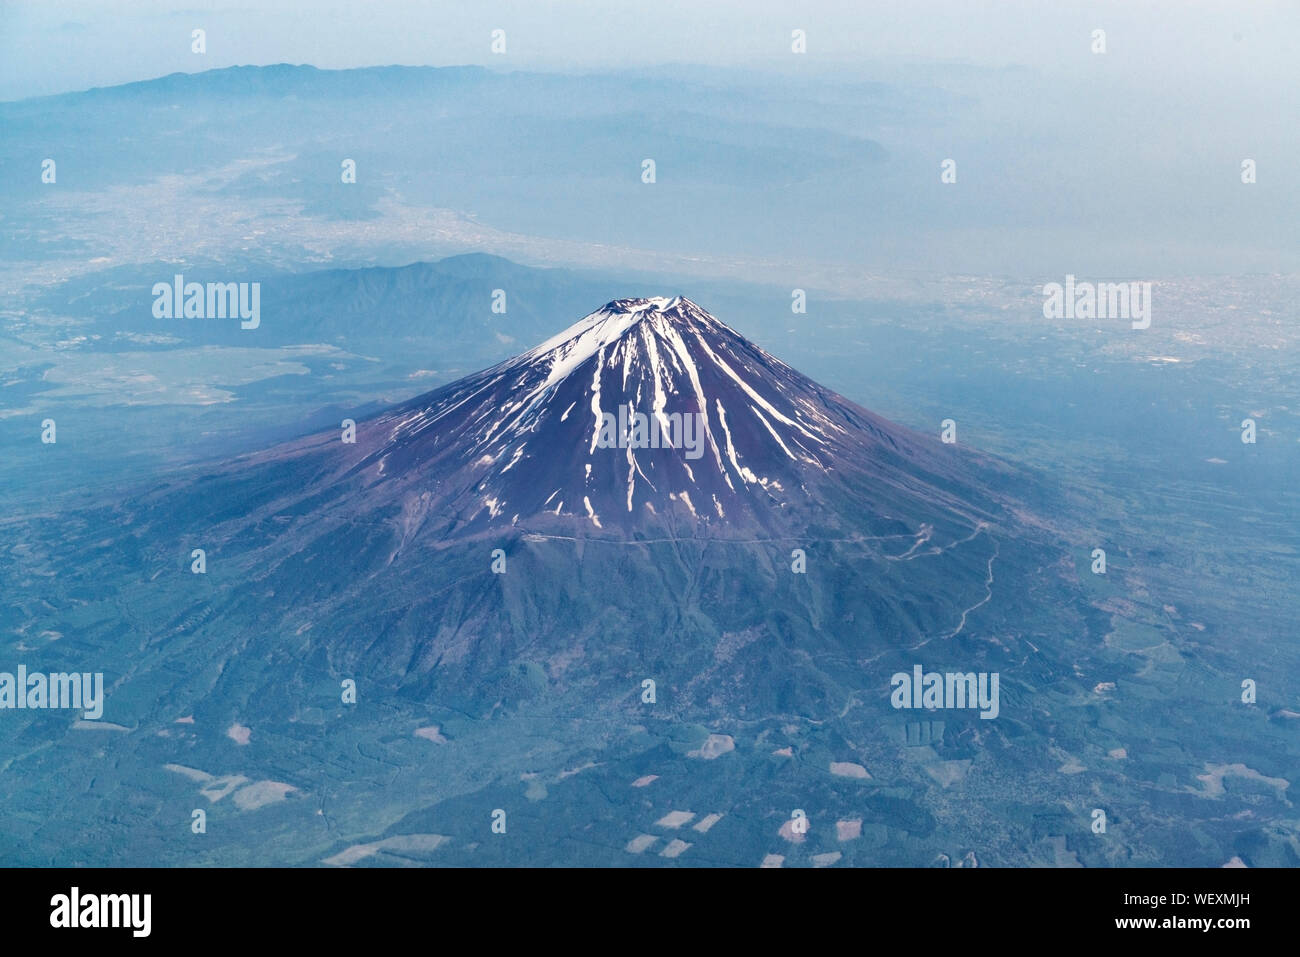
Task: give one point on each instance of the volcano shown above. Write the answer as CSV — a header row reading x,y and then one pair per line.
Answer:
x,y
793,516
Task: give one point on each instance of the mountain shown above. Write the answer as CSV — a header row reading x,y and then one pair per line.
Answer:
x,y
390,535
442,310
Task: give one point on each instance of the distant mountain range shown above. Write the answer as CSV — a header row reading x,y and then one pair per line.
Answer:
x,y
502,157
444,306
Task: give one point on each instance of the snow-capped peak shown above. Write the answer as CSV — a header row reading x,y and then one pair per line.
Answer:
x,y
608,323
645,407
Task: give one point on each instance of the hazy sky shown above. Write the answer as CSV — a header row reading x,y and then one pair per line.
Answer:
x,y
52,46
1127,162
